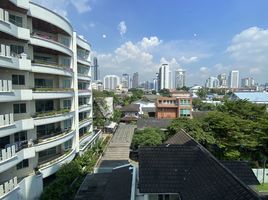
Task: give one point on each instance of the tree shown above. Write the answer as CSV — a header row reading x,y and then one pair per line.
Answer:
x,y
116,116
147,137
164,92
202,93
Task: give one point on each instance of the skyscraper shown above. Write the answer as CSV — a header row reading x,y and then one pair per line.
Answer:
x,y
110,82
212,82
135,80
180,78
125,80
164,77
247,82
95,70
233,79
222,80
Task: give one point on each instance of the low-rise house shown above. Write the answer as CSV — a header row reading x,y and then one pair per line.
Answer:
x,y
179,105
130,113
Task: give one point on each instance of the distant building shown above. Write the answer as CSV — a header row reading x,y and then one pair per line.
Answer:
x,y
125,81
135,80
130,113
95,70
180,78
193,90
179,105
254,97
111,82
233,79
248,82
155,83
97,85
164,77
212,82
223,80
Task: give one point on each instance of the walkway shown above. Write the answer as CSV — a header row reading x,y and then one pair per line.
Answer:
x,y
117,152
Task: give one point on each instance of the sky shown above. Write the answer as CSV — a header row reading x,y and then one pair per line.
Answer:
x,y
205,37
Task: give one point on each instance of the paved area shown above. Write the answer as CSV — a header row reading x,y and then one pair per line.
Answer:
x,y
117,152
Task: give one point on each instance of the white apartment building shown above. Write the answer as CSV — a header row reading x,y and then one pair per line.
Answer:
x,y
110,82
212,82
223,80
164,77
233,79
180,78
45,97
247,82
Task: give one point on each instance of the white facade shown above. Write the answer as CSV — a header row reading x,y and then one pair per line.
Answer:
x,y
234,79
164,77
212,82
45,97
247,82
180,78
110,82
223,80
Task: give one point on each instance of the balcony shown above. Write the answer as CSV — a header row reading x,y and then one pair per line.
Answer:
x,y
17,126
84,92
6,120
52,93
83,60
16,153
12,60
85,122
5,86
83,43
41,66
49,117
54,139
7,188
84,76
88,139
86,107
9,28
49,43
51,164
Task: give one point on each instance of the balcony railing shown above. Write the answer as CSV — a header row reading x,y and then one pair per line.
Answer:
x,y
52,158
5,51
51,135
45,89
5,85
51,64
8,186
49,37
8,153
50,113
6,119
4,16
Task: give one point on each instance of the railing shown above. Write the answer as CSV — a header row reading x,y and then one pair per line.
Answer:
x,y
50,159
52,135
5,50
4,16
8,186
46,89
6,119
51,113
49,37
7,153
51,63
5,85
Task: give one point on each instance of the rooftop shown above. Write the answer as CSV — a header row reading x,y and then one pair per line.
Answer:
x,y
131,108
257,97
153,123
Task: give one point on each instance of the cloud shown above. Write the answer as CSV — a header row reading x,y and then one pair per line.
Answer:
x,y
122,28
61,6
188,60
204,72
249,50
147,43
81,6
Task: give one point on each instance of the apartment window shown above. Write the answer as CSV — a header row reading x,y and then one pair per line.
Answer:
x,y
66,83
43,83
18,79
16,49
82,85
67,104
4,141
44,59
14,19
48,152
68,144
44,105
65,41
45,130
21,136
19,108
23,164
67,124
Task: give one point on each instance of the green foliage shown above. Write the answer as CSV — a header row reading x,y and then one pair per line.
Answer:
x,y
237,130
147,137
164,92
202,93
70,176
184,88
116,115
199,105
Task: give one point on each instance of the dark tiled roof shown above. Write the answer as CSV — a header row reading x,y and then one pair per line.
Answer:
x,y
148,109
189,170
115,185
129,118
153,123
131,108
181,138
242,170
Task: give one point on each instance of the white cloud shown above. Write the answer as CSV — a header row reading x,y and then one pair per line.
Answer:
x,y
249,50
188,60
122,27
81,6
204,72
150,42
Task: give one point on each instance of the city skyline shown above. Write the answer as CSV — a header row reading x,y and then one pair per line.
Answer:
x,y
200,37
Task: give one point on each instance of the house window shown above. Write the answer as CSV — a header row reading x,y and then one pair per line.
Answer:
x,y
21,136
19,108
18,79
185,113
23,164
15,20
